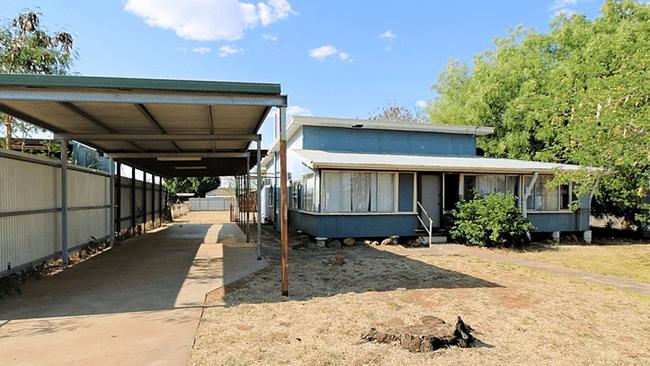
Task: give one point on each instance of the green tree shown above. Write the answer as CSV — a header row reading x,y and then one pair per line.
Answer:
x,y
27,48
577,94
196,185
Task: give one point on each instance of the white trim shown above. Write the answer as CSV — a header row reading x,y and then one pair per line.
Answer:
x,y
396,193
532,212
415,191
442,204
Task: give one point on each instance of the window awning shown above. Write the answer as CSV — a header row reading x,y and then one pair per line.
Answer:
x,y
320,159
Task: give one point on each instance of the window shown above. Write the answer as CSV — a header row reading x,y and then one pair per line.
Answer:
x,y
308,203
492,183
358,191
545,197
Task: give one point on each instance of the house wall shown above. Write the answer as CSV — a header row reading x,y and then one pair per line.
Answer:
x,y
387,142
562,221
356,226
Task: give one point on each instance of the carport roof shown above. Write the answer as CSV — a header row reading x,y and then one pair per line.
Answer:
x,y
167,127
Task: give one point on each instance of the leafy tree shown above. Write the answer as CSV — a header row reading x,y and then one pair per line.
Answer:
x,y
196,185
27,48
578,94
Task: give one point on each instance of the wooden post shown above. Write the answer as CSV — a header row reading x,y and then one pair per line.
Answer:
x,y
284,213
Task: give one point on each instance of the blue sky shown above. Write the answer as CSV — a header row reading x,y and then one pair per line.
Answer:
x,y
333,58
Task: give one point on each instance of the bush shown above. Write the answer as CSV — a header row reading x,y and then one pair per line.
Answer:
x,y
489,220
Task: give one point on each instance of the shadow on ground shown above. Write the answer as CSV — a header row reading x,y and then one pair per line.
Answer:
x,y
323,272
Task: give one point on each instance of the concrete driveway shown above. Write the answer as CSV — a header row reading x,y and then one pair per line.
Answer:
x,y
137,304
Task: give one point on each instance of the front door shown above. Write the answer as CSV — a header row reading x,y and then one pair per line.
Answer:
x,y
430,197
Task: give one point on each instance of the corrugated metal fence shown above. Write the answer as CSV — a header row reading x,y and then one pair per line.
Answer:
x,y
218,203
30,208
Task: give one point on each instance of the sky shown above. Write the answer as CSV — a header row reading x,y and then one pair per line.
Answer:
x,y
333,58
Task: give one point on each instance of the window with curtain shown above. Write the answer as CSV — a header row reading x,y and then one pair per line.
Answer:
x,y
344,191
545,197
308,183
492,183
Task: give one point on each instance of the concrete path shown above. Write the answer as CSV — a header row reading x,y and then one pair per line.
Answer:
x,y
455,249
137,304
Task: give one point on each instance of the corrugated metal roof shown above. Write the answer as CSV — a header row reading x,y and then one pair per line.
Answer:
x,y
101,82
348,160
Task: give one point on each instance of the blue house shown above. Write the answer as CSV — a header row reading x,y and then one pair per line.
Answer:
x,y
376,178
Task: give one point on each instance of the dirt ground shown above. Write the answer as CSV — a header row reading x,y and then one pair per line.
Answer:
x,y
520,315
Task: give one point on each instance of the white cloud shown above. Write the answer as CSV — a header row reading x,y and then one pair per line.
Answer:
x,y
421,104
324,52
209,20
201,50
294,110
228,50
388,37
564,6
269,37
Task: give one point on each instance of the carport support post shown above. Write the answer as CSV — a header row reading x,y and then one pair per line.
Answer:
x,y
248,190
153,201
133,218
258,245
144,201
118,198
111,194
160,200
284,242
64,202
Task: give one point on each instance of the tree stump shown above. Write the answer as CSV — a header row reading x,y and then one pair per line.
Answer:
x,y
433,333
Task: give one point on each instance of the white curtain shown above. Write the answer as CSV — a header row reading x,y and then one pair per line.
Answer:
x,y
385,198
360,192
551,195
357,191
491,183
337,191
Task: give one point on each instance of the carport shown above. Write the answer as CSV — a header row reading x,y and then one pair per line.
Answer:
x,y
167,128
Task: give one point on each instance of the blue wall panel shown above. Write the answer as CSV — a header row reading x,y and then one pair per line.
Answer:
x,y
357,226
387,142
406,192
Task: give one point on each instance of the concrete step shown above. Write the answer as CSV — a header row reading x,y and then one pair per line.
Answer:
x,y
435,239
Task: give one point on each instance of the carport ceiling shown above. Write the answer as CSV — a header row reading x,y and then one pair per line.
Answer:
x,y
163,126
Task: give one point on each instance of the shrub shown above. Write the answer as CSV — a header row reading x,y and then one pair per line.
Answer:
x,y
489,220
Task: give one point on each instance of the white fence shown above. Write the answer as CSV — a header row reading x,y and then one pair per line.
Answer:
x,y
30,208
218,203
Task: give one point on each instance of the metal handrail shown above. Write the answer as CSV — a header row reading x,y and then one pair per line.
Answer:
x,y
430,231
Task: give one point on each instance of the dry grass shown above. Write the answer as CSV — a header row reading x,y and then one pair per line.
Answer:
x,y
627,261
526,317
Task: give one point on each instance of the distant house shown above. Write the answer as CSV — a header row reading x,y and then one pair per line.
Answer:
x,y
374,178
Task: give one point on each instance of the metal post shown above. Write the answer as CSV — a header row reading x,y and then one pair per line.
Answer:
x,y
284,243
64,202
258,245
111,194
166,199
144,201
153,201
160,200
118,199
133,218
248,191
